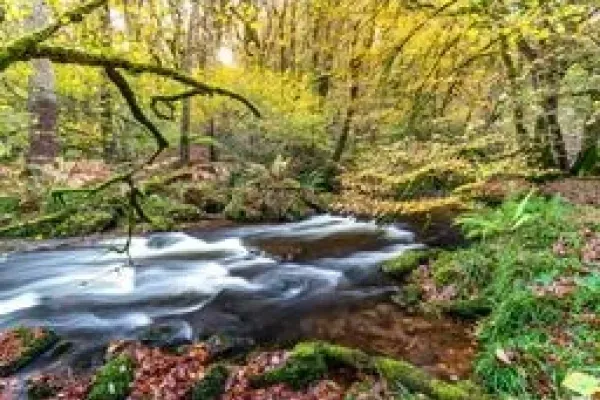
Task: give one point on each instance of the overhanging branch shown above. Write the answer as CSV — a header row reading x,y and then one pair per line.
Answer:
x,y
63,55
22,46
136,110
168,100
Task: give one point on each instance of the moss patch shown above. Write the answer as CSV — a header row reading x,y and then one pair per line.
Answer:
x,y
406,262
113,380
20,346
212,385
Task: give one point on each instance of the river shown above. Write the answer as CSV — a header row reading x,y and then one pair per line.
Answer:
x,y
267,283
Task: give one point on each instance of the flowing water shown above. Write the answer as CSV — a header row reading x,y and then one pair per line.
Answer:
x,y
265,282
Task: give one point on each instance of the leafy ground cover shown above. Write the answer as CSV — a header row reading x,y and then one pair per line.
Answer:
x,y
309,371
535,264
21,345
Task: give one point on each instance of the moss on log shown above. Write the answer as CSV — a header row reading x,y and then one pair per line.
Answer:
x,y
403,374
311,361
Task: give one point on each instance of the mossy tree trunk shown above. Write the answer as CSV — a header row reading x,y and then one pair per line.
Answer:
x,y
43,104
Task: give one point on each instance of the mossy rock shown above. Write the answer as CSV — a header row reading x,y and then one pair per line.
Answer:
x,y
113,380
32,347
84,223
407,262
165,212
310,362
212,386
207,197
268,201
302,369
402,374
468,309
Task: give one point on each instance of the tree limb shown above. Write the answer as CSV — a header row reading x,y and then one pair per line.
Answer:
x,y
168,101
63,55
20,47
136,110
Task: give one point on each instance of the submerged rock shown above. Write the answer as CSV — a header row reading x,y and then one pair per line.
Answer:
x,y
168,335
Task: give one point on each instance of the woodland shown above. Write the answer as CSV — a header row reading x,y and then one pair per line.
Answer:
x,y
474,122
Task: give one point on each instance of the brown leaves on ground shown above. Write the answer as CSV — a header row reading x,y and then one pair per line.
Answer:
x,y
13,344
239,388
591,250
430,290
164,375
64,384
576,190
558,288
589,253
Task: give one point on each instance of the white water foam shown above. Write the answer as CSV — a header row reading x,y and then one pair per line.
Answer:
x,y
172,244
20,302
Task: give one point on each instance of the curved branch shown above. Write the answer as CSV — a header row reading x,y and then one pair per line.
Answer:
x,y
168,101
22,46
136,110
62,55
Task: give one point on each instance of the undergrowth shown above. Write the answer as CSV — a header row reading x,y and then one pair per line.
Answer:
x,y
528,261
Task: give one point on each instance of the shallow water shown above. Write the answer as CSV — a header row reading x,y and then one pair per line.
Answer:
x,y
263,282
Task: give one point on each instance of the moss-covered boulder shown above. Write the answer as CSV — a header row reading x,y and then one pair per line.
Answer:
x,y
302,369
401,374
407,262
311,361
20,346
207,196
267,200
113,380
212,385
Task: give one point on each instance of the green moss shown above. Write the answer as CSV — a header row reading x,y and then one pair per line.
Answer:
x,y
212,385
113,380
512,273
399,373
9,204
469,309
32,348
407,262
299,371
311,361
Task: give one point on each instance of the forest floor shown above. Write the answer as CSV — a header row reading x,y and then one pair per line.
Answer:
x,y
528,278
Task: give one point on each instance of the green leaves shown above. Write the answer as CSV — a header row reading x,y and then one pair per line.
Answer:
x,y
582,384
505,219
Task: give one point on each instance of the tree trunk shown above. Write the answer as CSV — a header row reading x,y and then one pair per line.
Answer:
x,y
188,65
353,90
108,134
517,104
43,137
